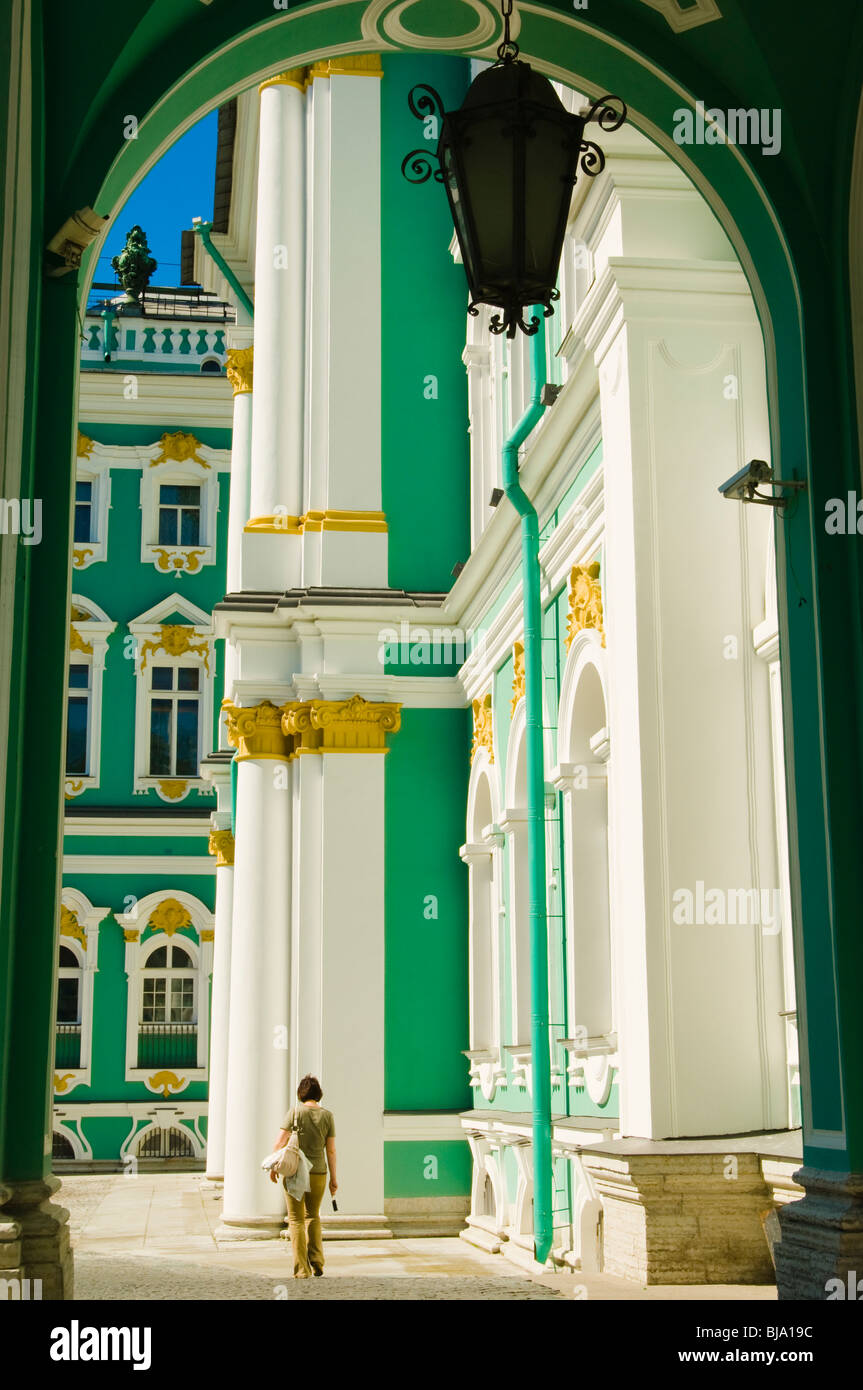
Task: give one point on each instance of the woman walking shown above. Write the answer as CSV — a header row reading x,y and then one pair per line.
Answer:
x,y
317,1139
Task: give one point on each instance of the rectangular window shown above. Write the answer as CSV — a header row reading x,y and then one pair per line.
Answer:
x,y
183,1000
78,719
67,1000
153,1010
179,514
174,721
83,511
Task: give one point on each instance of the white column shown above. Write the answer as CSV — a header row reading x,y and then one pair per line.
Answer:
x,y
344,531
217,769
338,999
257,1072
276,485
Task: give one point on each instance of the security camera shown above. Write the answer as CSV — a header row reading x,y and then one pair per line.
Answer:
x,y
64,251
743,486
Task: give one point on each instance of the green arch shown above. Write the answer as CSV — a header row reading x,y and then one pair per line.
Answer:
x,y
788,261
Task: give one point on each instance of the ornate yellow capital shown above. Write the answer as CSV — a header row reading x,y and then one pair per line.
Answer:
x,y
518,676
585,602
482,729
294,77
256,731
221,843
239,369
176,640
208,934
169,915
85,446
70,926
350,65
129,934
178,448
341,726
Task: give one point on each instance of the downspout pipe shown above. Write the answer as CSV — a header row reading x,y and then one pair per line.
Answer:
x,y
543,1222
202,229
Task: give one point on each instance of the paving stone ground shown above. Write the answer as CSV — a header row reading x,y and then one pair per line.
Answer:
x,y
152,1236
145,1278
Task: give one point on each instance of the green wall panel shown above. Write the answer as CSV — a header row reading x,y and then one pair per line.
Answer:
x,y
426,955
432,1168
425,460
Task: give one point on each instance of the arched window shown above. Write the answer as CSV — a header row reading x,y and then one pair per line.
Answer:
x,y
166,1143
61,1147
481,853
168,1030
67,1050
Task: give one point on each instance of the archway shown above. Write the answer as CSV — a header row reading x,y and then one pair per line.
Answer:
x,y
787,259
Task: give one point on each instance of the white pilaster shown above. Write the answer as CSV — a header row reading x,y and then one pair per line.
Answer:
x,y
701,1047
222,846
338,996
344,535
270,555
257,1073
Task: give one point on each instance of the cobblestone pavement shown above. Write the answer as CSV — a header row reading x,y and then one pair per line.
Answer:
x,y
153,1237
145,1278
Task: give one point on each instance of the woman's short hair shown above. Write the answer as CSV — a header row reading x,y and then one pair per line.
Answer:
x,y
309,1089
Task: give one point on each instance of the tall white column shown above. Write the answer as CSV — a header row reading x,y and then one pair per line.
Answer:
x,y
338,996
258,1071
276,484
218,770
344,530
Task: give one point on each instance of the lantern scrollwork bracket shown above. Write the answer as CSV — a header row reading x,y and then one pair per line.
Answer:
x,y
418,166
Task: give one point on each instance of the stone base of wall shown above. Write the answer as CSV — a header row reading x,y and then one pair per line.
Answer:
x,y
682,1218
426,1216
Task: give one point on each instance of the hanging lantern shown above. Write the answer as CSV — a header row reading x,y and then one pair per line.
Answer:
x,y
509,158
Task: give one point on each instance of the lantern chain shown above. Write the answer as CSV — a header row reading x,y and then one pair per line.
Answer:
x,y
508,50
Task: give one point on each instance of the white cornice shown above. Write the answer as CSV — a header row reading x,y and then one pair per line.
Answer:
x,y
422,1127
185,401
163,865
127,826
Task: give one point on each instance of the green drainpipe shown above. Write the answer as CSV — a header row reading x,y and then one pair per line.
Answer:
x,y
202,229
532,606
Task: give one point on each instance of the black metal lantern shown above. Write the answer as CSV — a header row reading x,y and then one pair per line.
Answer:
x,y
509,158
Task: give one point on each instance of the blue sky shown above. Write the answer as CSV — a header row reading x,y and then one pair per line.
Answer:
x,y
177,189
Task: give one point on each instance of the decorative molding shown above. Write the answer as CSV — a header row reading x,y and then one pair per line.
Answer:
x,y
70,926
239,370
172,788
169,916
166,1082
482,727
176,640
179,448
518,675
680,18
383,22
179,560
77,643
85,446
585,602
221,844
208,934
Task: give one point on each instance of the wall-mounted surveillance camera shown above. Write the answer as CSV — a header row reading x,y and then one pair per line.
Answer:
x,y
64,251
743,486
